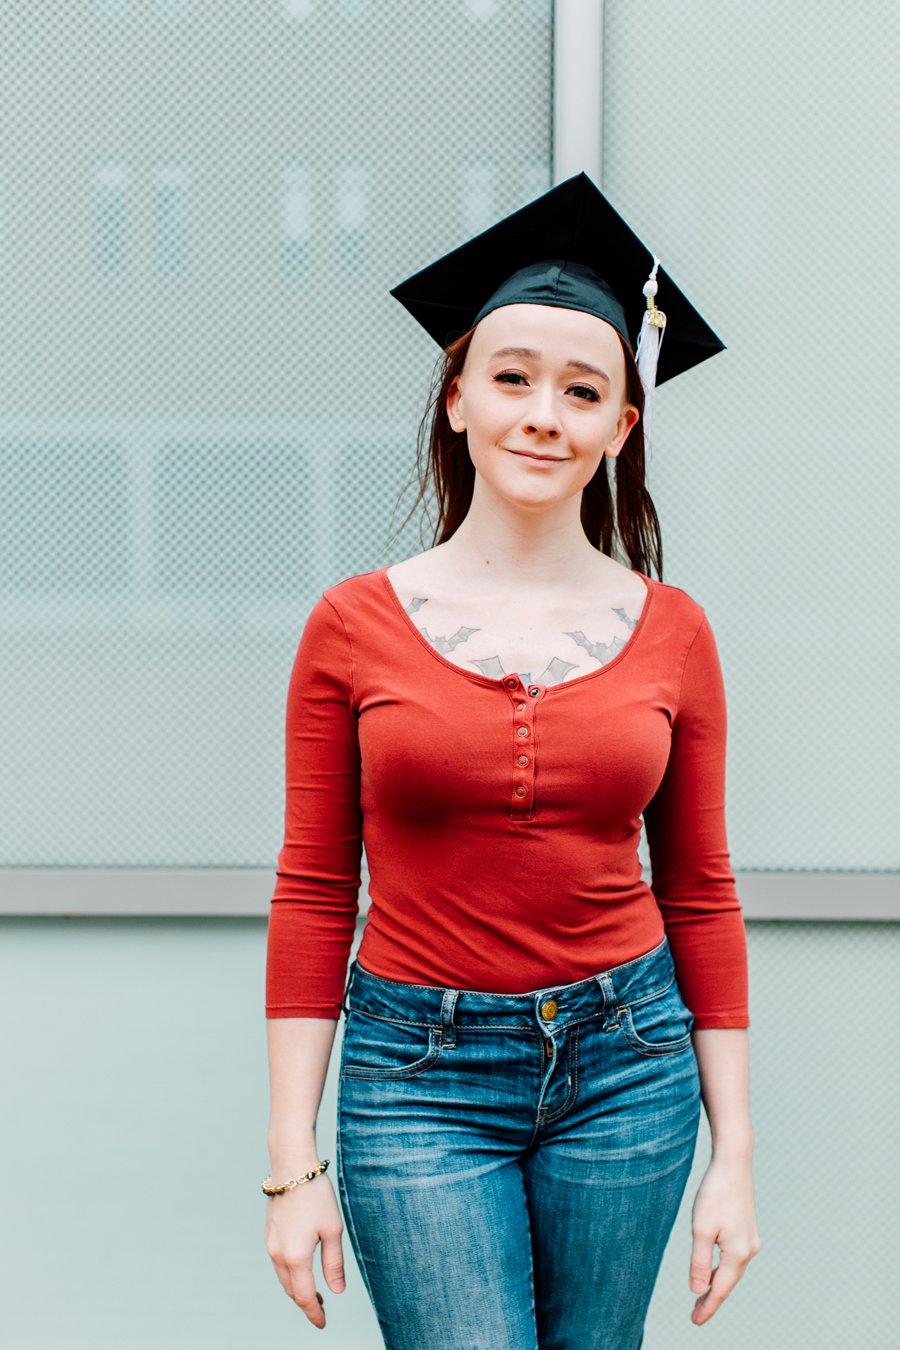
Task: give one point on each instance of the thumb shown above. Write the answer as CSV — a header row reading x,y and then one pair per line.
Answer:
x,y
701,1265
333,1264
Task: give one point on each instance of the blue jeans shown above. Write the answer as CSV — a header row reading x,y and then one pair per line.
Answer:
x,y
510,1166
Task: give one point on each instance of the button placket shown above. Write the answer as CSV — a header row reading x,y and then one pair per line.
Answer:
x,y
522,805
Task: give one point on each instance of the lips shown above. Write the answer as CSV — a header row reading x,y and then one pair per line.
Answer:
x,y
527,454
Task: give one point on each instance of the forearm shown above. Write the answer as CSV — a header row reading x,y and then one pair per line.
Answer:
x,y
723,1058
299,1053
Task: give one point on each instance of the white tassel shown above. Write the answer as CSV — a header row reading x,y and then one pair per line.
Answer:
x,y
649,342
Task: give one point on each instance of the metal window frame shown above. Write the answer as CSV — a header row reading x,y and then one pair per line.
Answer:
x,y
577,141
232,892
577,144
578,69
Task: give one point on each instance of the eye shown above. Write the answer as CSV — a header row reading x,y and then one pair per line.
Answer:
x,y
582,391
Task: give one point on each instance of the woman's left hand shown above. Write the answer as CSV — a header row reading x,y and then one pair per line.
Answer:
x,y
724,1212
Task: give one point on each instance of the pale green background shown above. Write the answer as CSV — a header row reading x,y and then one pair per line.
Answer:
x,y
208,407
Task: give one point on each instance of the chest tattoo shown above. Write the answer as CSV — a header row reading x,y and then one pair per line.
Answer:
x,y
557,669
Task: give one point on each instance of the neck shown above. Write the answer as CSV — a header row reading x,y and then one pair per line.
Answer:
x,y
511,544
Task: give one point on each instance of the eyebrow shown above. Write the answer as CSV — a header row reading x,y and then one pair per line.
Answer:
x,y
573,363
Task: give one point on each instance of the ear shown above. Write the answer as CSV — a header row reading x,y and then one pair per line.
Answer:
x,y
626,421
454,406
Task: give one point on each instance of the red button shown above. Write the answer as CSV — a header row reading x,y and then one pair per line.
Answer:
x,y
520,791
521,731
523,760
520,707
512,682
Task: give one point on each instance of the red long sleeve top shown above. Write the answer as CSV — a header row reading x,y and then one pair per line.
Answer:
x,y
501,821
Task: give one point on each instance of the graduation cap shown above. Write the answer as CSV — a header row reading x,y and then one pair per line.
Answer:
x,y
570,249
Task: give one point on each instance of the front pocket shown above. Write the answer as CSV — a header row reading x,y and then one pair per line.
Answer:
x,y
658,1025
379,1047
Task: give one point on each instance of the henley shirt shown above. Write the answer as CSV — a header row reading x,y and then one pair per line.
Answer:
x,y
501,820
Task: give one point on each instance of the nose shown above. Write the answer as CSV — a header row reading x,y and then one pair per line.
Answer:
x,y
541,418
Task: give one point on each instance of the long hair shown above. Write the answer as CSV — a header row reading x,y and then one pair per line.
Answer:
x,y
626,517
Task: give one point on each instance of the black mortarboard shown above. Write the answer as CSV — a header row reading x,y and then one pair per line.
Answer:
x,y
567,248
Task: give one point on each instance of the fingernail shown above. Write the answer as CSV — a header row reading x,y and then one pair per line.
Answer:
x,y
339,1283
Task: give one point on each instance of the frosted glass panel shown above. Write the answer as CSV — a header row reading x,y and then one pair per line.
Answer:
x,y
750,147
208,399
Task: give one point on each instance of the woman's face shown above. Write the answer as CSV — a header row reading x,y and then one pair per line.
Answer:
x,y
541,381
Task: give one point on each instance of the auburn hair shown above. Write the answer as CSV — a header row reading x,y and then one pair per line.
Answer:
x,y
625,516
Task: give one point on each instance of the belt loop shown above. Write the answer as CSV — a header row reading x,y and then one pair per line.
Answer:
x,y
448,1008
607,989
350,975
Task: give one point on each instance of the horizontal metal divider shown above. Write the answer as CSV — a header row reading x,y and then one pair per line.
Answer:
x,y
246,892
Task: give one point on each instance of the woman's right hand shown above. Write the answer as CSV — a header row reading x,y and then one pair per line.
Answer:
x,y
296,1222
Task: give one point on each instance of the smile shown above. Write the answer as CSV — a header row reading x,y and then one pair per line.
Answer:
x,y
539,459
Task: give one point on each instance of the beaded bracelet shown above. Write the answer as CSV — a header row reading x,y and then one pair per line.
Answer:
x,y
294,1182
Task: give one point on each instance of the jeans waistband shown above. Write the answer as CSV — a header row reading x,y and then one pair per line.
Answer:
x,y
553,1006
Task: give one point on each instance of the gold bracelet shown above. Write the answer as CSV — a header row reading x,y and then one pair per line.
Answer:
x,y
293,1182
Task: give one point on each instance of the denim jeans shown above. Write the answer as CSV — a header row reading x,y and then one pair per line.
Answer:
x,y
510,1166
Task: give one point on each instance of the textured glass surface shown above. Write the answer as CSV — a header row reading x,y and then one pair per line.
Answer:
x,y
208,399
752,148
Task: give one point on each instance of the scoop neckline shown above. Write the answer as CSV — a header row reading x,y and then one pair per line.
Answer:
x,y
487,680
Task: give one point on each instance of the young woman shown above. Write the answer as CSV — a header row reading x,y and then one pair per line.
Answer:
x,y
531,1027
